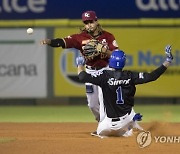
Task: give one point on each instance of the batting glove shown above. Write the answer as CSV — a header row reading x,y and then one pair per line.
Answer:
x,y
169,56
80,61
137,117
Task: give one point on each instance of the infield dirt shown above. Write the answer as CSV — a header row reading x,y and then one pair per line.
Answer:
x,y
75,138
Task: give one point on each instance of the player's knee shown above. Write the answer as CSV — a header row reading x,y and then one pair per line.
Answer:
x,y
93,106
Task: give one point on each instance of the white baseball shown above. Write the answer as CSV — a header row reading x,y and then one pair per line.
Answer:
x,y
29,30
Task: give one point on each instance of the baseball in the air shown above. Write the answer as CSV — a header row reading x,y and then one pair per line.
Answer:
x,y
29,30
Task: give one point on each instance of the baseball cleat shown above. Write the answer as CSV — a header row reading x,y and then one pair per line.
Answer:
x,y
94,133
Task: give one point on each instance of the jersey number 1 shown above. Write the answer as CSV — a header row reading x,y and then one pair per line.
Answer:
x,y
120,99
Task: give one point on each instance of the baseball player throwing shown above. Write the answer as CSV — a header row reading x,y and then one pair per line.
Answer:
x,y
96,38
118,87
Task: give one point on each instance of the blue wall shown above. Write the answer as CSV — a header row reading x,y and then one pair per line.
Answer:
x,y
72,9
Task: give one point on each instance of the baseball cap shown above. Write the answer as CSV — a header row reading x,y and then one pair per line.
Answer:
x,y
89,15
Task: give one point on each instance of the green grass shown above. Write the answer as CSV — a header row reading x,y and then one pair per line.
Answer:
x,y
167,113
45,114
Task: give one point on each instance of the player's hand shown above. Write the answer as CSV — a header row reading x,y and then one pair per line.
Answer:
x,y
137,117
169,56
80,61
45,41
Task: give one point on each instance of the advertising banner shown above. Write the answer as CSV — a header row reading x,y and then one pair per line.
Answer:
x,y
106,9
144,48
22,64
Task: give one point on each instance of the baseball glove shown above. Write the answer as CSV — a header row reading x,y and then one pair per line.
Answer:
x,y
92,49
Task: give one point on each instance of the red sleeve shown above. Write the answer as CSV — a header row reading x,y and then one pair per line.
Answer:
x,y
112,43
72,42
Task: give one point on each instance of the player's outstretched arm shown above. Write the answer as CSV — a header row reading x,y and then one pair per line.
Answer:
x,y
154,75
85,77
53,42
45,42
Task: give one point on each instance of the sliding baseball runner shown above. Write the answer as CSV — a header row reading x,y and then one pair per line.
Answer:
x,y
119,87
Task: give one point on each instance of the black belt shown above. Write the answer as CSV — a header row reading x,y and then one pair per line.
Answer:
x,y
118,119
93,68
115,119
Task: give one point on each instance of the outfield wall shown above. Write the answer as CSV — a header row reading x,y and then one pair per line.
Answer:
x,y
142,39
23,64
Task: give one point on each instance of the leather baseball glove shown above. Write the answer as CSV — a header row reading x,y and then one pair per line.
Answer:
x,y
92,49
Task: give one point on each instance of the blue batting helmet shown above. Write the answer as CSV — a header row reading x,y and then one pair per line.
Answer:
x,y
117,59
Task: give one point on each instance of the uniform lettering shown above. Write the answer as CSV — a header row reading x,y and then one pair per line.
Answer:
x,y
96,73
104,42
141,75
115,82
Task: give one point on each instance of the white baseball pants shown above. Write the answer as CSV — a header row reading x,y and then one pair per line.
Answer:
x,y
123,127
95,97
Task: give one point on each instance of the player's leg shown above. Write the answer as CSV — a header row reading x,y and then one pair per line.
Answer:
x,y
121,127
92,99
103,128
133,120
128,124
102,110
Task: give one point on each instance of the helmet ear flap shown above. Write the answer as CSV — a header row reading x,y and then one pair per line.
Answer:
x,y
117,59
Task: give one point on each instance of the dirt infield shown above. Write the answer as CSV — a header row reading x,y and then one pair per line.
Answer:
x,y
74,138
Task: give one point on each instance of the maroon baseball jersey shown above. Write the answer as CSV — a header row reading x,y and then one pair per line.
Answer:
x,y
79,40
